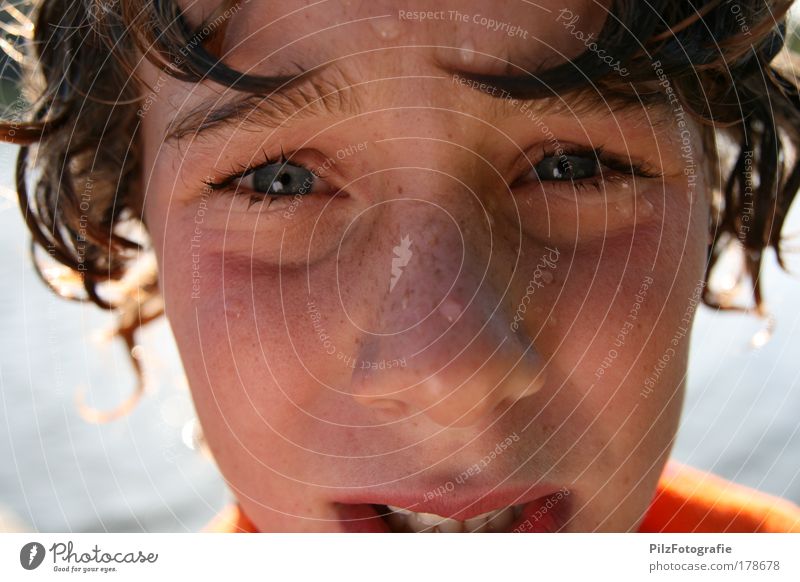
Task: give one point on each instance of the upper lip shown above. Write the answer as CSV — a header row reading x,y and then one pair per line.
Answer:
x,y
460,503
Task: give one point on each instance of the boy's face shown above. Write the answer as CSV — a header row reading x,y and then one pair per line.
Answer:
x,y
441,320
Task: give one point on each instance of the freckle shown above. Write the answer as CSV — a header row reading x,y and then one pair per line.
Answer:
x,y
399,189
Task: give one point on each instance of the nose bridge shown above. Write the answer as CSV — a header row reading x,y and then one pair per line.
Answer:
x,y
440,342
435,247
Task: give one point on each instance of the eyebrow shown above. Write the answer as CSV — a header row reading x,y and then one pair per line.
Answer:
x,y
303,95
309,94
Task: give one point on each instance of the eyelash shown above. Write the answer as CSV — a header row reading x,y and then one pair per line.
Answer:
x,y
612,168
241,171
620,170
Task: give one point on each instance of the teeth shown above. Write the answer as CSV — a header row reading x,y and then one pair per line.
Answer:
x,y
428,519
422,521
450,526
477,524
499,520
398,520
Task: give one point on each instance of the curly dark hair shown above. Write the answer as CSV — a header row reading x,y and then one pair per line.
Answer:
x,y
78,171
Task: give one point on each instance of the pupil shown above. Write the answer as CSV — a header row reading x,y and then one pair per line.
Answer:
x,y
283,179
563,168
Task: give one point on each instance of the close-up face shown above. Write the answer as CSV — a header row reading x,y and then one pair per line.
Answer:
x,y
393,287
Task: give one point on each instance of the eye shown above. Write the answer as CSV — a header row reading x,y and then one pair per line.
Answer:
x,y
566,168
282,179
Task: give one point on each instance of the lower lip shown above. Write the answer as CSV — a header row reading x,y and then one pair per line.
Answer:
x,y
546,514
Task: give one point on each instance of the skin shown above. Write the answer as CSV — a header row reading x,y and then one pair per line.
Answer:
x,y
294,422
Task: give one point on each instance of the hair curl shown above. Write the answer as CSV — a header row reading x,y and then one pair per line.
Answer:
x,y
78,174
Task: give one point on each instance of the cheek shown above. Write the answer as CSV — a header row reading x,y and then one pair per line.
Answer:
x,y
264,362
615,326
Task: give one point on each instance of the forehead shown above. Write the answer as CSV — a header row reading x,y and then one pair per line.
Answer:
x,y
365,55
472,35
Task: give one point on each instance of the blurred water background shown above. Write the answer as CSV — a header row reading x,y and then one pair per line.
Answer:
x,y
60,473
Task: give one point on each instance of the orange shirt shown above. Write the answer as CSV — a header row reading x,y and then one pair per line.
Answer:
x,y
686,500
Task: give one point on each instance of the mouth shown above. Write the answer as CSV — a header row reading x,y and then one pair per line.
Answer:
x,y
544,514
402,520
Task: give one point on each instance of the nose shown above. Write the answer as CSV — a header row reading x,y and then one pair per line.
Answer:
x,y
442,343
